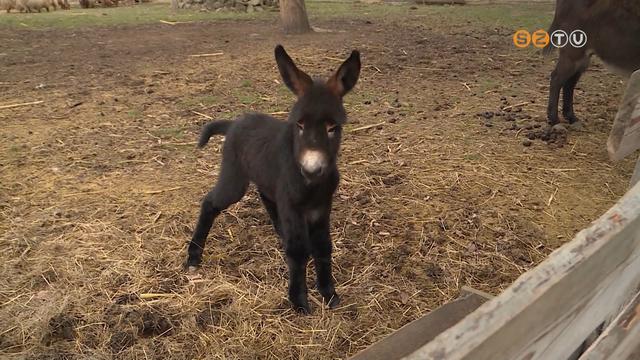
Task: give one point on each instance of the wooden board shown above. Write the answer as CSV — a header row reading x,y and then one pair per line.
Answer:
x,y
621,340
635,178
625,133
549,311
412,336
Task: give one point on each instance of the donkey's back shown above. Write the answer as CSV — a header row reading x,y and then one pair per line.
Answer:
x,y
252,145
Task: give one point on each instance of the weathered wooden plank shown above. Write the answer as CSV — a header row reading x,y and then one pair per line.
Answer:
x,y
549,311
621,338
467,290
624,137
635,178
417,333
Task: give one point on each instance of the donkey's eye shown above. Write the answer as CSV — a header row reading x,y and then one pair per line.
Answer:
x,y
332,129
300,125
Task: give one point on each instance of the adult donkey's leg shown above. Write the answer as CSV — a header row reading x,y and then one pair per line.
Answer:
x,y
569,62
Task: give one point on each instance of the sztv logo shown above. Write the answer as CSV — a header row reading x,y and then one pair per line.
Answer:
x,y
560,39
540,38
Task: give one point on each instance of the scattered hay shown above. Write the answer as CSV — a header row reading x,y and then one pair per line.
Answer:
x,y
98,201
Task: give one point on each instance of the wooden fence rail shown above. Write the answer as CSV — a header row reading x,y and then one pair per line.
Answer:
x,y
548,312
588,284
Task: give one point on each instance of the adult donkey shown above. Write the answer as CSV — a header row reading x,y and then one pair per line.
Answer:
x,y
612,28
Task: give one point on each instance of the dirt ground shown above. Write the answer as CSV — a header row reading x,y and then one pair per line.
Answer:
x,y
100,184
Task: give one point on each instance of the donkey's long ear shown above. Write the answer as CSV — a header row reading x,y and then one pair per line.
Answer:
x,y
295,79
347,75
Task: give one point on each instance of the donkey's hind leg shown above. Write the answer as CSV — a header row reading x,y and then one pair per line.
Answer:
x,y
230,188
567,98
272,209
564,77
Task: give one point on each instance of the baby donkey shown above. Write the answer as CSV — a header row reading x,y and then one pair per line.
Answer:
x,y
293,165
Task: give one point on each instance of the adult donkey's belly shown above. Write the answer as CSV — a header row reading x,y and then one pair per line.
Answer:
x,y
618,46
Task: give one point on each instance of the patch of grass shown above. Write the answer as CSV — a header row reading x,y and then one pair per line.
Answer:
x,y
14,148
527,16
138,14
248,99
283,92
168,133
202,100
359,97
134,113
486,84
520,16
234,114
471,157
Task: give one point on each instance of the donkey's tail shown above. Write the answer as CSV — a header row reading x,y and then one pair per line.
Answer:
x,y
561,12
549,48
217,127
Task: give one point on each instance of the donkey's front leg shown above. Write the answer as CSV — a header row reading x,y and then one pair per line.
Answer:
x,y
296,247
321,248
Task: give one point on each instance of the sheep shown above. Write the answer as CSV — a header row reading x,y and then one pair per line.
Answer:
x,y
8,5
85,4
31,5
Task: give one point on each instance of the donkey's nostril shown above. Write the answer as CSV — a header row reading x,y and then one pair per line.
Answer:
x,y
313,162
316,172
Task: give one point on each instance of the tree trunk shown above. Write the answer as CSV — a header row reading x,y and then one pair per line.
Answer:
x,y
174,5
294,17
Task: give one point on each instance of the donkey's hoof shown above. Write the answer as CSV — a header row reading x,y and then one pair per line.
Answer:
x,y
303,309
329,296
334,301
190,266
576,126
570,117
301,306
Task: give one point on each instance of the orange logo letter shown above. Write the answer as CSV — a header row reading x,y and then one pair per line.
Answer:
x,y
540,38
522,38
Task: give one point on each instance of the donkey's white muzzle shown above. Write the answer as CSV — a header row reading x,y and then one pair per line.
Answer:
x,y
313,162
